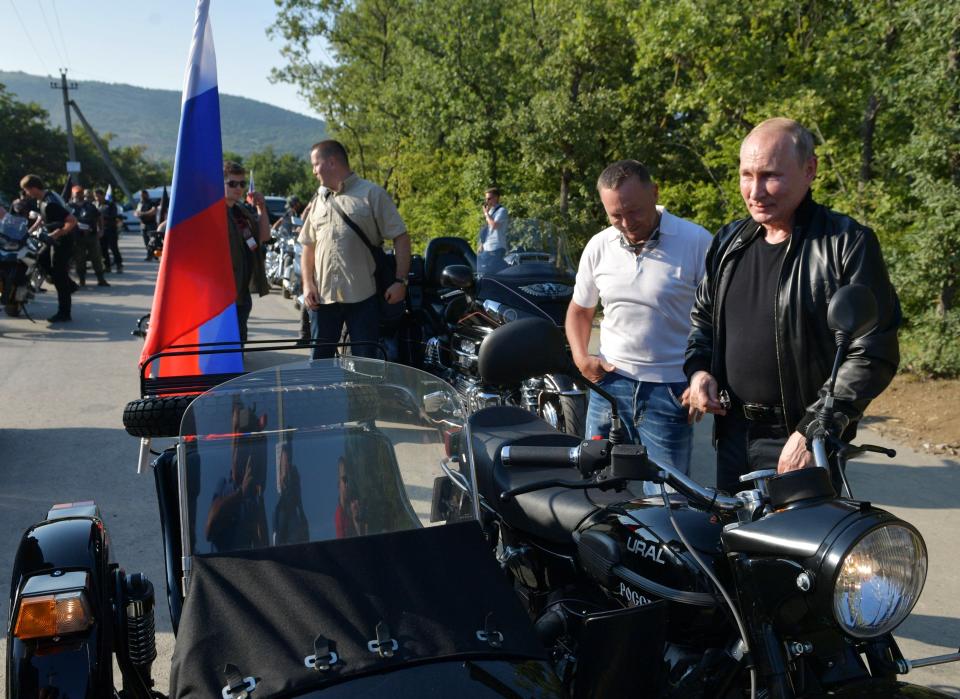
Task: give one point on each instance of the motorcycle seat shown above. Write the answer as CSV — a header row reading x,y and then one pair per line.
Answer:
x,y
551,514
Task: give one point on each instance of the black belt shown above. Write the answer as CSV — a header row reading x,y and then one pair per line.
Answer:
x,y
766,414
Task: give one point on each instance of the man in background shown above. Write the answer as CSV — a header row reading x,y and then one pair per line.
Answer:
x,y
338,267
146,211
59,224
493,235
109,233
87,244
248,231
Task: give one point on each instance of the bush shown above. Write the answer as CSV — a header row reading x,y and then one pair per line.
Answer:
x,y
930,345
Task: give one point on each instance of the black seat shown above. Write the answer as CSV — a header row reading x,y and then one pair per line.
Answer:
x,y
442,252
552,514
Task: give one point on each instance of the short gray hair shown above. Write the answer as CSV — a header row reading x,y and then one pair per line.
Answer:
x,y
803,142
615,174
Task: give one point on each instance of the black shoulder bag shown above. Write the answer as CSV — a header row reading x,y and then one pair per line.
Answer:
x,y
384,274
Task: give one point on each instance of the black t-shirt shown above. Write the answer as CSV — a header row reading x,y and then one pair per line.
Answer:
x,y
749,322
108,212
87,216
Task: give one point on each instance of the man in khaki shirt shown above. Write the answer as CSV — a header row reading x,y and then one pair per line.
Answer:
x,y
338,268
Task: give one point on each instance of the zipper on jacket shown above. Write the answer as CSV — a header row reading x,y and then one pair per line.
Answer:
x,y
776,327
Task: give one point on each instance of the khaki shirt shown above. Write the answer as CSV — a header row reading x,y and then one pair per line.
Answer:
x,y
343,266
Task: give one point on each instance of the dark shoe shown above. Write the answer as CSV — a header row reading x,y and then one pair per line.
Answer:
x,y
83,283
148,258
102,282
303,341
73,286
59,318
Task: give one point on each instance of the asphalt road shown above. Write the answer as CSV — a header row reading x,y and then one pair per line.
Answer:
x,y
63,389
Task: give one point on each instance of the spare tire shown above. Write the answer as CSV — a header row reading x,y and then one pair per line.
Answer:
x,y
155,417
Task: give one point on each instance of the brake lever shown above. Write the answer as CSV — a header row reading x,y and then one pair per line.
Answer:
x,y
604,484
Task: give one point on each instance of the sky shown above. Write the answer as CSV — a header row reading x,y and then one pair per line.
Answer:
x,y
145,44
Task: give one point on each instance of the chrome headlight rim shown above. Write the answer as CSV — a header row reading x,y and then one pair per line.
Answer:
x,y
840,551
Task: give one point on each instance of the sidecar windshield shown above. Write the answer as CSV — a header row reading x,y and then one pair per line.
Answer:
x,y
320,450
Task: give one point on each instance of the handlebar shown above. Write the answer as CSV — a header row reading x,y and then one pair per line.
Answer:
x,y
540,456
618,463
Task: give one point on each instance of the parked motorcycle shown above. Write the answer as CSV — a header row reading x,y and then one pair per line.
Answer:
x,y
463,299
21,278
283,258
782,590
313,547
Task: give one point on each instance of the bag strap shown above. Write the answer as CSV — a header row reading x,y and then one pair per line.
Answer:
x,y
354,227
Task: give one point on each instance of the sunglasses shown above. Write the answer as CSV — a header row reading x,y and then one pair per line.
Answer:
x,y
236,183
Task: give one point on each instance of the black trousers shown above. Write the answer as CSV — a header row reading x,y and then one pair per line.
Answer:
x,y
109,244
61,256
744,446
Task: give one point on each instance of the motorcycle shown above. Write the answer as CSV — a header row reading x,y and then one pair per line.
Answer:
x,y
313,547
283,259
21,277
785,589
462,300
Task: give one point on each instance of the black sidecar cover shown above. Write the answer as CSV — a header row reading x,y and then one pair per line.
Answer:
x,y
433,588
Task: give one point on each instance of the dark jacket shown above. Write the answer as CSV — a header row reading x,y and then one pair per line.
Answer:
x,y
827,250
249,268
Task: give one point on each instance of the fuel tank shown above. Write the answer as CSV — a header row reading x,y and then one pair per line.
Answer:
x,y
636,555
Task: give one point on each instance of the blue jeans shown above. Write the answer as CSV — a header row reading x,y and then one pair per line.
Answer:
x,y
363,324
651,415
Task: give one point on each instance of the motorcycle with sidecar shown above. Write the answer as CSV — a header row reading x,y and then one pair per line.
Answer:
x,y
309,549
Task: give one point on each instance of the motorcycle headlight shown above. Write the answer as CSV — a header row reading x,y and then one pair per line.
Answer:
x,y
879,580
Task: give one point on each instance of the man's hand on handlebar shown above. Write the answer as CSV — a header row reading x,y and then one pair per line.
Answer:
x,y
795,454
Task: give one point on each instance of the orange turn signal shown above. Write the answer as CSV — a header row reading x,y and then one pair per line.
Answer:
x,y
46,616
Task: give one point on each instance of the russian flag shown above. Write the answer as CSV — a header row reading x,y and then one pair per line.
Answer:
x,y
194,301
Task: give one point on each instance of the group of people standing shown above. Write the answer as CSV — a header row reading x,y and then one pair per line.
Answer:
x,y
83,230
734,324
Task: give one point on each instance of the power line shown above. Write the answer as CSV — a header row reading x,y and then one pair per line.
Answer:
x,y
23,26
53,39
56,16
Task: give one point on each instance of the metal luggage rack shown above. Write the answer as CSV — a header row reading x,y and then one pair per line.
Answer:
x,y
200,383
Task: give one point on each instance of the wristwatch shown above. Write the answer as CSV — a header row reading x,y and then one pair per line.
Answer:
x,y
398,280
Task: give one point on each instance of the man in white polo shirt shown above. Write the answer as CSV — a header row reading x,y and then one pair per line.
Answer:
x,y
644,269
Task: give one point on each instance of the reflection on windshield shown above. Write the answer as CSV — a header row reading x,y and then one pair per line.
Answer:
x,y
316,451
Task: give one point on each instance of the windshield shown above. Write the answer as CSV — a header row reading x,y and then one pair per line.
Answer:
x,y
13,227
320,450
530,241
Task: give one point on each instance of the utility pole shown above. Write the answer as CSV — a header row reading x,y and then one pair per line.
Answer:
x,y
104,153
65,87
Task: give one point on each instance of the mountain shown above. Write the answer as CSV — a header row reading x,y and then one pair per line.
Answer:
x,y
142,116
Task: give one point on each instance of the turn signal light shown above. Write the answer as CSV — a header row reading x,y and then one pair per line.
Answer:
x,y
46,616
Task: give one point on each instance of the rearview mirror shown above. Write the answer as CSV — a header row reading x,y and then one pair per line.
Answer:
x,y
457,277
852,312
522,349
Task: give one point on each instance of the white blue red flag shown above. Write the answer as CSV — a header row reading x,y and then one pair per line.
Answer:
x,y
109,194
194,301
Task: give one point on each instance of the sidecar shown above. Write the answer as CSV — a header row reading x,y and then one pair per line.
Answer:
x,y
319,539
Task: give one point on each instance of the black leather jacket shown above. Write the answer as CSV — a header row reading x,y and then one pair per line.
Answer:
x,y
827,250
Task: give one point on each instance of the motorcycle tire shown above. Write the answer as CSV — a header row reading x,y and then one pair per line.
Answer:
x,y
574,410
286,293
12,309
155,417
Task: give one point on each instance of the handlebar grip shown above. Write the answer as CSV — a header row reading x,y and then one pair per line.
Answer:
x,y
540,456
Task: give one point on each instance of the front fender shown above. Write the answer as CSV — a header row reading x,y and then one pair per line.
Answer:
x,y
78,665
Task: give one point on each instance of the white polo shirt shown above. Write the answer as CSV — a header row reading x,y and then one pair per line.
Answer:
x,y
646,298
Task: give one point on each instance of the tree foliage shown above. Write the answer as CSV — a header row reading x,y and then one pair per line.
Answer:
x,y
438,100
31,145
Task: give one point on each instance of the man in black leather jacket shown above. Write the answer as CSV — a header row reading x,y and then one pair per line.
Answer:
x,y
759,323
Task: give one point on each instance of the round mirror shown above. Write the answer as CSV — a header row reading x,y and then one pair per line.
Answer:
x,y
457,277
852,310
